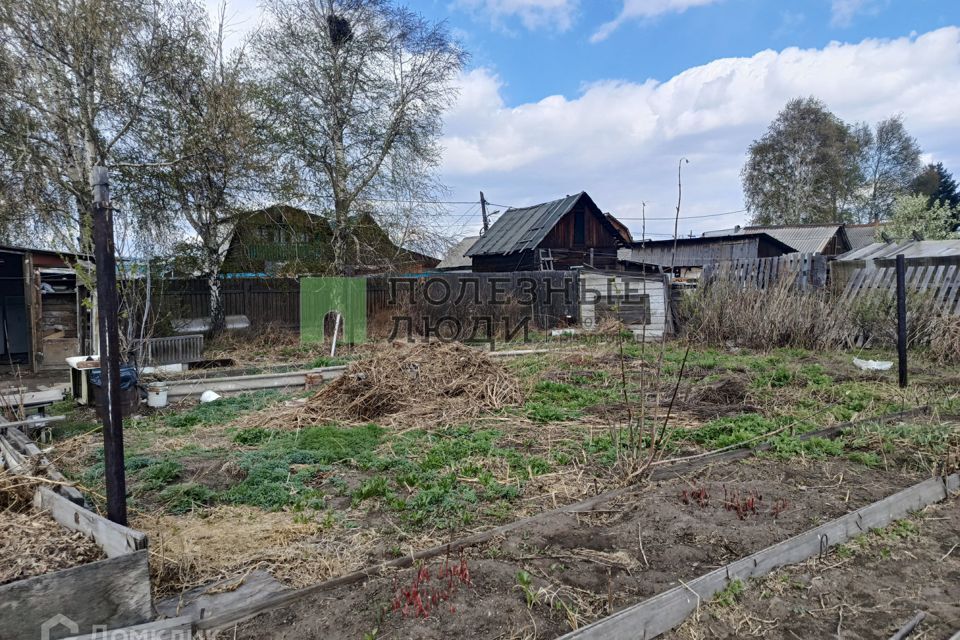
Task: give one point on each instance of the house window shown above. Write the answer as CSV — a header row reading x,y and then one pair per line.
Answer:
x,y
579,228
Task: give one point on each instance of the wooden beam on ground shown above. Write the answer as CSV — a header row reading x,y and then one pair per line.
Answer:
x,y
116,540
27,447
663,612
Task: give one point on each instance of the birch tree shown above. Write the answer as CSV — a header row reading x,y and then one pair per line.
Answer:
x,y
806,168
891,163
354,85
76,77
213,164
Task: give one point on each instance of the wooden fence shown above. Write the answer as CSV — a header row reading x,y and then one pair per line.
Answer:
x,y
937,277
265,301
808,269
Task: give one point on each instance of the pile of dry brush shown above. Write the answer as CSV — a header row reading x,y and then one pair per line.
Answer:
x,y
420,384
786,316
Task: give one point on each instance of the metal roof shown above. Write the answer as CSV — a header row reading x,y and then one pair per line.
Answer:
x,y
520,229
804,238
861,235
909,248
456,257
697,251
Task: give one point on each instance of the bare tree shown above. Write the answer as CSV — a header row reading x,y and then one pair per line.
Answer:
x,y
213,162
357,89
891,163
75,80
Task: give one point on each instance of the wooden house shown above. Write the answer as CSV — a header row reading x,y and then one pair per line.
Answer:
x,y
563,234
44,318
687,256
286,241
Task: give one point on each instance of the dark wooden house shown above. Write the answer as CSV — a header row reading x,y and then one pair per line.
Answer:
x,y
562,234
43,318
286,241
692,253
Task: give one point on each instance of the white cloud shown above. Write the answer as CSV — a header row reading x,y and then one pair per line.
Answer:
x,y
621,141
643,10
533,14
842,12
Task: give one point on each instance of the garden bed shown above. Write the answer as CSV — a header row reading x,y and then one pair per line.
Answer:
x,y
568,570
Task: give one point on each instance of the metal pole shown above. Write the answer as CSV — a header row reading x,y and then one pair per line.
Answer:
x,y
109,347
902,319
483,211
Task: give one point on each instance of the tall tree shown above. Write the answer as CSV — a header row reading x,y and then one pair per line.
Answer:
x,y
75,77
212,157
806,168
891,162
938,186
354,85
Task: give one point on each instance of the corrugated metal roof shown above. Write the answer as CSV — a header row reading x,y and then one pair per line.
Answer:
x,y
697,251
861,235
909,248
519,229
802,237
456,258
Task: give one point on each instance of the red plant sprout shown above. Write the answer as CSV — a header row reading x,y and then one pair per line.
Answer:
x,y
428,591
743,505
778,507
700,496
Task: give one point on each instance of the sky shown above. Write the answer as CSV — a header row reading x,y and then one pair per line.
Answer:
x,y
608,96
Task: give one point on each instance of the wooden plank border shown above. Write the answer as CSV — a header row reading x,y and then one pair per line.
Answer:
x,y
669,609
115,540
109,593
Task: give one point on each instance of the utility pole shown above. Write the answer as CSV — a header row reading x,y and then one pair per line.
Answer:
x,y
106,264
483,212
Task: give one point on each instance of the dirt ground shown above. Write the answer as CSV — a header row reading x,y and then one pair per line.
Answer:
x,y
571,569
868,588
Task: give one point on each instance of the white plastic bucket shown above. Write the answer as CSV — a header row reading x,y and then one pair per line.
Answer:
x,y
157,395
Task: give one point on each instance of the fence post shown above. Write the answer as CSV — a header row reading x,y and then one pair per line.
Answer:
x,y
902,319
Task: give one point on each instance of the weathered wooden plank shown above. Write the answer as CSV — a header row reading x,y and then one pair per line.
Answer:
x,y
179,628
116,540
114,592
26,446
669,609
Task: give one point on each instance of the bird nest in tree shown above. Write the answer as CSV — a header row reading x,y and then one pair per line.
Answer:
x,y
440,383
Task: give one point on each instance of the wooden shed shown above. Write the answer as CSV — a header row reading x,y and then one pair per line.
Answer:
x,y
688,255
43,316
562,234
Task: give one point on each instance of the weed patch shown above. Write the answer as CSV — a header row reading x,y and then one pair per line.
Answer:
x,y
223,410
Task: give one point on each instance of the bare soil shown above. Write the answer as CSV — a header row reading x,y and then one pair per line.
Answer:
x,y
582,566
869,589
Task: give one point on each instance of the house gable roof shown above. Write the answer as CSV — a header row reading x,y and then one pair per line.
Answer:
x,y
456,257
524,228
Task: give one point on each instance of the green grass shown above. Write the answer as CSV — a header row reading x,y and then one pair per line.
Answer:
x,y
183,498
223,410
158,475
77,419
557,401
725,432
445,478
328,361
729,595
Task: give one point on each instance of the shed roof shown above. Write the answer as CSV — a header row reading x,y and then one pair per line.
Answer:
x,y
524,228
691,251
804,238
456,257
861,235
909,248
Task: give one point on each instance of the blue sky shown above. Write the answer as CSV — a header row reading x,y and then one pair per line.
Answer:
x,y
607,96
552,52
